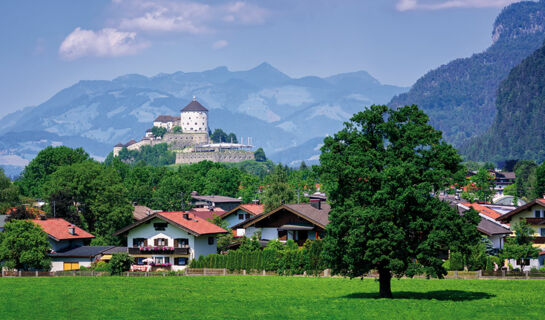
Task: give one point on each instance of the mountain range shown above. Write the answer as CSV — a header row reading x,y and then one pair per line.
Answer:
x,y
278,112
517,131
460,97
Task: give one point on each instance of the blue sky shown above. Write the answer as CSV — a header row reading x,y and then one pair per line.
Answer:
x,y
49,45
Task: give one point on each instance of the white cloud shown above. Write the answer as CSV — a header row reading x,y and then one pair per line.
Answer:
x,y
107,42
186,16
406,5
220,44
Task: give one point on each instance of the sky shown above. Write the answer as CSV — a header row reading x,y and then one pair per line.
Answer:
x,y
50,45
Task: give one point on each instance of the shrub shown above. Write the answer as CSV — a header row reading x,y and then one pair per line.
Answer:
x,y
446,264
119,263
456,261
100,266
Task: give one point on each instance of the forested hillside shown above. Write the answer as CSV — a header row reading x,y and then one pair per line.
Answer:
x,y
459,97
518,131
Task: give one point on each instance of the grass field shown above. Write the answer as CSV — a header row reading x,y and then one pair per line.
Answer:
x,y
249,297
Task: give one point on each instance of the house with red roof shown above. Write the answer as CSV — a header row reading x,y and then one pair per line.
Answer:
x,y
170,240
495,231
241,213
63,235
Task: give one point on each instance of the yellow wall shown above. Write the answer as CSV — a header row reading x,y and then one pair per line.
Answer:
x,y
529,213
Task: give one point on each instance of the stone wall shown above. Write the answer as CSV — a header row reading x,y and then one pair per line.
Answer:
x,y
182,140
223,156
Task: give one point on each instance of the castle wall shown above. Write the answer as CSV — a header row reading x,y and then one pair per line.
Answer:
x,y
194,122
224,156
182,140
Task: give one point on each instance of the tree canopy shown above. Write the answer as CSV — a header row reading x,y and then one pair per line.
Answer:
x,y
380,172
45,163
24,246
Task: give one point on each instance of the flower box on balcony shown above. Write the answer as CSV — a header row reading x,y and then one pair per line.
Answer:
x,y
156,249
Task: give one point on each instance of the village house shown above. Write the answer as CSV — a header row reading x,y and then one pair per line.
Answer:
x,y
63,235
170,240
241,213
489,226
84,256
534,214
298,222
225,203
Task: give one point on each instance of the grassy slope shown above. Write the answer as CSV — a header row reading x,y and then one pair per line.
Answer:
x,y
246,297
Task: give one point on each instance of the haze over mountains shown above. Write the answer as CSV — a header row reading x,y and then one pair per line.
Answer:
x,y
289,117
277,111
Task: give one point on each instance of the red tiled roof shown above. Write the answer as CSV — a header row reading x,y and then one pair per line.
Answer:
x,y
207,214
253,208
35,211
195,225
484,210
57,228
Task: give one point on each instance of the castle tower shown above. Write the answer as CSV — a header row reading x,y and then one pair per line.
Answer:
x,y
194,118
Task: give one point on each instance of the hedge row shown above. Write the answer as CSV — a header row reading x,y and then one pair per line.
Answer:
x,y
283,261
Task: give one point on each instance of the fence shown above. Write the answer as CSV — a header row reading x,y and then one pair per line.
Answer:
x,y
226,272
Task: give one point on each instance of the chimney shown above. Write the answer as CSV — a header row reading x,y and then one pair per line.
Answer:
x,y
186,216
255,201
72,229
316,203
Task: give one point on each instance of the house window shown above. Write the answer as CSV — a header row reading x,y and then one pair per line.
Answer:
x,y
180,261
181,243
160,226
167,259
159,259
542,232
537,213
140,261
161,242
247,216
241,216
210,240
138,242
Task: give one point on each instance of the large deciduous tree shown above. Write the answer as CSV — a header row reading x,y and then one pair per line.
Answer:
x,y
278,191
380,172
44,164
24,246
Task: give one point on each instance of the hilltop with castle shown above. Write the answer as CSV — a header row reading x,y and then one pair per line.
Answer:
x,y
188,136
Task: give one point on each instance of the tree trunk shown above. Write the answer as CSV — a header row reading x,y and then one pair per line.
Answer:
x,y
384,279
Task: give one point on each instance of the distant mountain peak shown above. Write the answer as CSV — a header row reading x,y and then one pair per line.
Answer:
x,y
518,20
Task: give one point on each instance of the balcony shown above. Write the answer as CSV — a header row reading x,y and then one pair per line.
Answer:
x,y
535,221
539,240
159,250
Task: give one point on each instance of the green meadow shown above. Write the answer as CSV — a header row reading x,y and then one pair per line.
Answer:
x,y
258,297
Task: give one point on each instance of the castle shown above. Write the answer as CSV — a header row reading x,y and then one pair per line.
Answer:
x,y
188,136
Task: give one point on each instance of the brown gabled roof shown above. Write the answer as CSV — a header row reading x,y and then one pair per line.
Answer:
x,y
195,225
119,145
491,228
194,106
506,217
318,217
505,175
130,143
253,209
165,118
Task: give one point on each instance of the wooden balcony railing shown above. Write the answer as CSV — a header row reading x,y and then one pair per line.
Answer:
x,y
162,250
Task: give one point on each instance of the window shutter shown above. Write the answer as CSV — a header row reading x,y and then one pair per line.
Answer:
x,y
155,242
146,242
134,243
176,243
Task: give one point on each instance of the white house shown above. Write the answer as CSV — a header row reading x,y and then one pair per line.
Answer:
x,y
241,213
170,240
